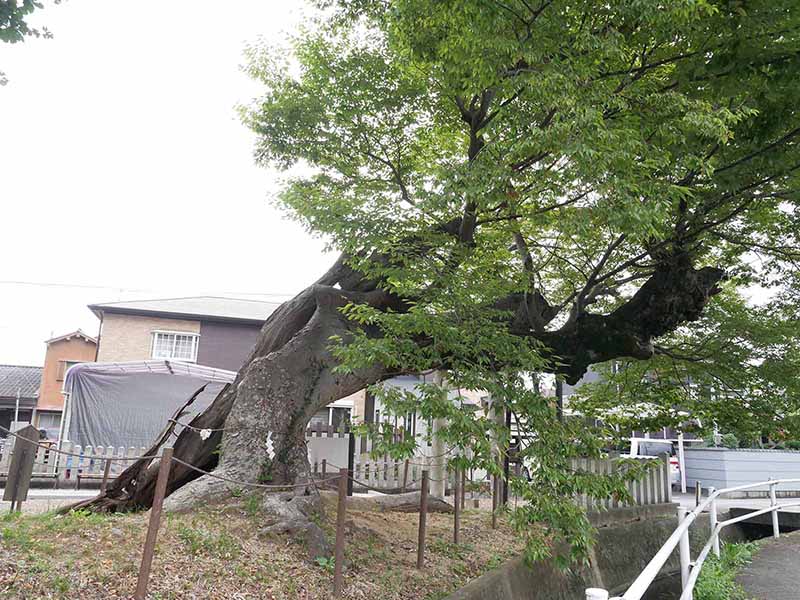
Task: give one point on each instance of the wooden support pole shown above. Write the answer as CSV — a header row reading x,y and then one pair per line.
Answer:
x,y
423,517
698,493
351,461
21,468
457,507
341,508
106,472
324,471
463,489
494,501
405,475
152,528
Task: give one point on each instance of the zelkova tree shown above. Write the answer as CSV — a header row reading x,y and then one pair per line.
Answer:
x,y
513,186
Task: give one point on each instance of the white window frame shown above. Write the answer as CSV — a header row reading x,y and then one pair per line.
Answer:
x,y
196,343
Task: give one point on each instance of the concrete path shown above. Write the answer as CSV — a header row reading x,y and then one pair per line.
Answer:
x,y
773,573
44,500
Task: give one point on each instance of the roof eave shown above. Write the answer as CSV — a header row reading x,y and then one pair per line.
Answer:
x,y
99,309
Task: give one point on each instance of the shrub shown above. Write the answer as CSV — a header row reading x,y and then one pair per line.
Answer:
x,y
717,578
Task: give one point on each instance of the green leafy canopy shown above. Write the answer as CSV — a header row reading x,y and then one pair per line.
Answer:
x,y
530,177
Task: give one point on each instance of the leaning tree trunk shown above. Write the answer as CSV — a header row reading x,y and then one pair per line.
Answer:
x,y
260,420
263,415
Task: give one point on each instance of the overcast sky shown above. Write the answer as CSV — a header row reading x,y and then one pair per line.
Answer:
x,y
124,171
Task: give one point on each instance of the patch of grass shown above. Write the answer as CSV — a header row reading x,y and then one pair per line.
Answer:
x,y
450,550
717,578
495,560
60,585
252,504
18,535
326,562
200,541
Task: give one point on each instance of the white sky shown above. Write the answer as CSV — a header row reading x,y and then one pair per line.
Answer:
x,y
124,168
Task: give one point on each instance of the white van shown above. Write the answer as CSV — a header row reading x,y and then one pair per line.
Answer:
x,y
649,448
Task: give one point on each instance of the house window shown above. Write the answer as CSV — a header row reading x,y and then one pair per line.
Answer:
x,y
320,418
49,420
176,346
339,417
63,367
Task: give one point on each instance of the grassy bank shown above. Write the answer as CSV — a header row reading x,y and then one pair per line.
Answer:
x,y
220,552
717,578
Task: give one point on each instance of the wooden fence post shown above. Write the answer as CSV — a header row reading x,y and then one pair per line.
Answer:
x,y
21,468
698,493
324,471
152,528
423,517
457,506
463,489
405,475
341,508
494,501
351,459
106,472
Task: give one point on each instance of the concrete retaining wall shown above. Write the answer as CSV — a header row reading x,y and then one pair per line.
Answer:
x,y
627,540
723,467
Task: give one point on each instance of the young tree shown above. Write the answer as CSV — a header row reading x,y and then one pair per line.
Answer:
x,y
513,186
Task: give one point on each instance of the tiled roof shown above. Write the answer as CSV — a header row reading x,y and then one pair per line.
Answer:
x,y
212,307
24,379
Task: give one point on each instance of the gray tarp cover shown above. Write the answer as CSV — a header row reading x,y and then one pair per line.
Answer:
x,y
131,404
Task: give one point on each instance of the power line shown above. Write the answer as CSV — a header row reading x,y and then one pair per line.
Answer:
x,y
50,284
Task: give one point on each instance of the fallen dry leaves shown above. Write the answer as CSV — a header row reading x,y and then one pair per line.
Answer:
x,y
218,553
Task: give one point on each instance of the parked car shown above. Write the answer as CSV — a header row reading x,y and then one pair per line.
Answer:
x,y
648,448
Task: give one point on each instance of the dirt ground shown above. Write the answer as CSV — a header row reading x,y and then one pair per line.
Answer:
x,y
219,552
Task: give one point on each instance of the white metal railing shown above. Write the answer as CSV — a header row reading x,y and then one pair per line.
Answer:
x,y
690,571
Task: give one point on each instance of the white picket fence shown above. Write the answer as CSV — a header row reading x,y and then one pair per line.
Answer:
x,y
331,445
654,488
382,473
89,461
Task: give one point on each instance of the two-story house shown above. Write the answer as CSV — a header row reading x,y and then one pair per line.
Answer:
x,y
63,351
207,330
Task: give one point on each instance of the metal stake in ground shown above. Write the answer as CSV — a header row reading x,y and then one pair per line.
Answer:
x,y
152,528
423,517
341,508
